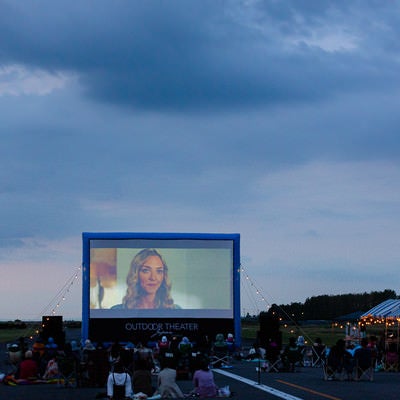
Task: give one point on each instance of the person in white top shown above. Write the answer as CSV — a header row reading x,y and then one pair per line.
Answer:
x,y
119,383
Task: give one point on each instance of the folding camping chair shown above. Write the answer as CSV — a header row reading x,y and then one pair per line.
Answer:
x,y
292,358
364,363
391,359
337,365
319,355
274,364
219,353
308,356
332,372
219,359
364,372
391,362
273,357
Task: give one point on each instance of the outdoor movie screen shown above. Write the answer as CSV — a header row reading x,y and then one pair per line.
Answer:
x,y
161,275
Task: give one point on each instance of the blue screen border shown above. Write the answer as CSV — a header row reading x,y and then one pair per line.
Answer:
x,y
88,236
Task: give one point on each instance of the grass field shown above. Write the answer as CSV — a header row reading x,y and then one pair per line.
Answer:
x,y
8,335
327,332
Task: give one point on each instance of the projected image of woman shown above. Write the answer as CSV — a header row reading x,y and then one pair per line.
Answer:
x,y
148,284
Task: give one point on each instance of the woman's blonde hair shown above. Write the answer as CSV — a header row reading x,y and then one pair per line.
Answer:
x,y
135,292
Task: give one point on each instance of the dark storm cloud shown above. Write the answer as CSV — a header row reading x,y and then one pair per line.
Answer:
x,y
177,55
275,119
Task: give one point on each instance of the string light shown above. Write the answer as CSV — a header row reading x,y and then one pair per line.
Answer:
x,y
268,306
59,297
66,289
257,290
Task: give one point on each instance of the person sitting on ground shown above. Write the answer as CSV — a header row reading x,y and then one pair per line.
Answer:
x,y
76,352
203,381
262,352
38,349
39,355
114,354
52,370
88,346
28,368
50,350
166,381
119,383
51,344
144,353
141,379
253,353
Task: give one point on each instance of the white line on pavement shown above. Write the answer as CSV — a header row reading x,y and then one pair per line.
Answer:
x,y
265,388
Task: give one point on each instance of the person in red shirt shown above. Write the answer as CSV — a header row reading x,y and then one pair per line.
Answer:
x,y
28,368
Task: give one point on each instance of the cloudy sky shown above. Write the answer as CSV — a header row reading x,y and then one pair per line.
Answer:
x,y
278,120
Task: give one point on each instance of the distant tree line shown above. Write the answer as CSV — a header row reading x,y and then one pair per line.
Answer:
x,y
326,307
17,324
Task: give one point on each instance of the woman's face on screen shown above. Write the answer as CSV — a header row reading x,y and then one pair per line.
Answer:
x,y
151,274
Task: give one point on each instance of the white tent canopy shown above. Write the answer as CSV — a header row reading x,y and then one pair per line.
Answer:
x,y
387,309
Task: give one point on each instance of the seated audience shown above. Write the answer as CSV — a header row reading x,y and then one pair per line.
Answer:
x,y
51,350
253,352
28,368
119,383
114,354
141,379
166,381
339,358
291,355
220,343
51,369
301,342
230,342
203,381
184,346
363,356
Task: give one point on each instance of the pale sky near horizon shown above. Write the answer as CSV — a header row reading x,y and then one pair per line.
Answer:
x,y
274,119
